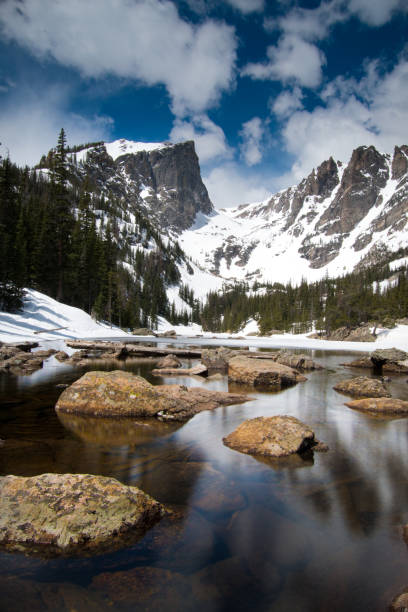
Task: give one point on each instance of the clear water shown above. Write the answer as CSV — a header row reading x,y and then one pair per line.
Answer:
x,y
315,533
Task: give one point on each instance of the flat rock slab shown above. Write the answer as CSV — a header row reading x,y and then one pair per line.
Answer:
x,y
72,514
262,372
362,386
120,393
198,370
277,436
381,405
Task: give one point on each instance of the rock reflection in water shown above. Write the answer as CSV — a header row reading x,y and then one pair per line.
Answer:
x,y
116,431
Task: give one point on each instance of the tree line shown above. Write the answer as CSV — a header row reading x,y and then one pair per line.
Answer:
x,y
74,243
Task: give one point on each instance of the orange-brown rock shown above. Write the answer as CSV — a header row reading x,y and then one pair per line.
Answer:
x,y
262,372
277,436
70,514
383,405
121,393
362,386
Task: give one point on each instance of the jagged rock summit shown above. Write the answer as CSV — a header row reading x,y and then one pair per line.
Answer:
x,y
334,219
162,178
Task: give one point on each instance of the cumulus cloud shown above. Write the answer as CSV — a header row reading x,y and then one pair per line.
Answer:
x,y
145,41
291,60
228,185
209,138
30,124
372,111
287,102
376,12
247,6
296,57
252,134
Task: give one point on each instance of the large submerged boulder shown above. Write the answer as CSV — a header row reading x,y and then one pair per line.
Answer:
x,y
277,436
262,372
72,514
120,393
380,405
362,386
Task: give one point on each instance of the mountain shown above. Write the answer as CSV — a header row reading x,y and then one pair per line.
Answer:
x,y
340,217
162,179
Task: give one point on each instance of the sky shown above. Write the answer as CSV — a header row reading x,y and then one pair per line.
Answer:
x,y
267,89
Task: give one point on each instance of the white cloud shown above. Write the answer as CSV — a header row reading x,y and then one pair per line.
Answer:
x,y
376,12
229,186
309,24
251,135
291,60
145,40
372,111
247,6
30,124
209,138
286,103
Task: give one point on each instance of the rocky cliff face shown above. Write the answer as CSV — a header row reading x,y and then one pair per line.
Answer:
x,y
337,217
164,181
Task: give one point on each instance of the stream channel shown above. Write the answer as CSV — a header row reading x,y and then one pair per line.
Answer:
x,y
311,533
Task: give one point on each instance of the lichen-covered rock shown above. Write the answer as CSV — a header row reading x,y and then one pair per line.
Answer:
x,y
362,386
361,333
262,372
72,514
121,393
217,359
277,436
381,405
385,355
400,602
18,360
297,361
169,361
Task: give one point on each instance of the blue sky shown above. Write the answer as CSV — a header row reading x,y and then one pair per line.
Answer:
x,y
267,89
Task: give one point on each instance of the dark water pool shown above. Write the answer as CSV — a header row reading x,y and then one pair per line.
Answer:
x,y
318,533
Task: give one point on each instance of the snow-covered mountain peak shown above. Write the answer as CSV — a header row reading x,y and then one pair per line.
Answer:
x,y
338,216
122,147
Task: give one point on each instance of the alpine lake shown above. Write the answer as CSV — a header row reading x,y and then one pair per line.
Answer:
x,y
312,533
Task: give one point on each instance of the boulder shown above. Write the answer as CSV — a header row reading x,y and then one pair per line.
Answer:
x,y
169,361
277,436
171,333
217,359
362,386
381,405
390,359
72,514
143,331
262,372
17,361
361,333
297,361
120,393
400,602
61,356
